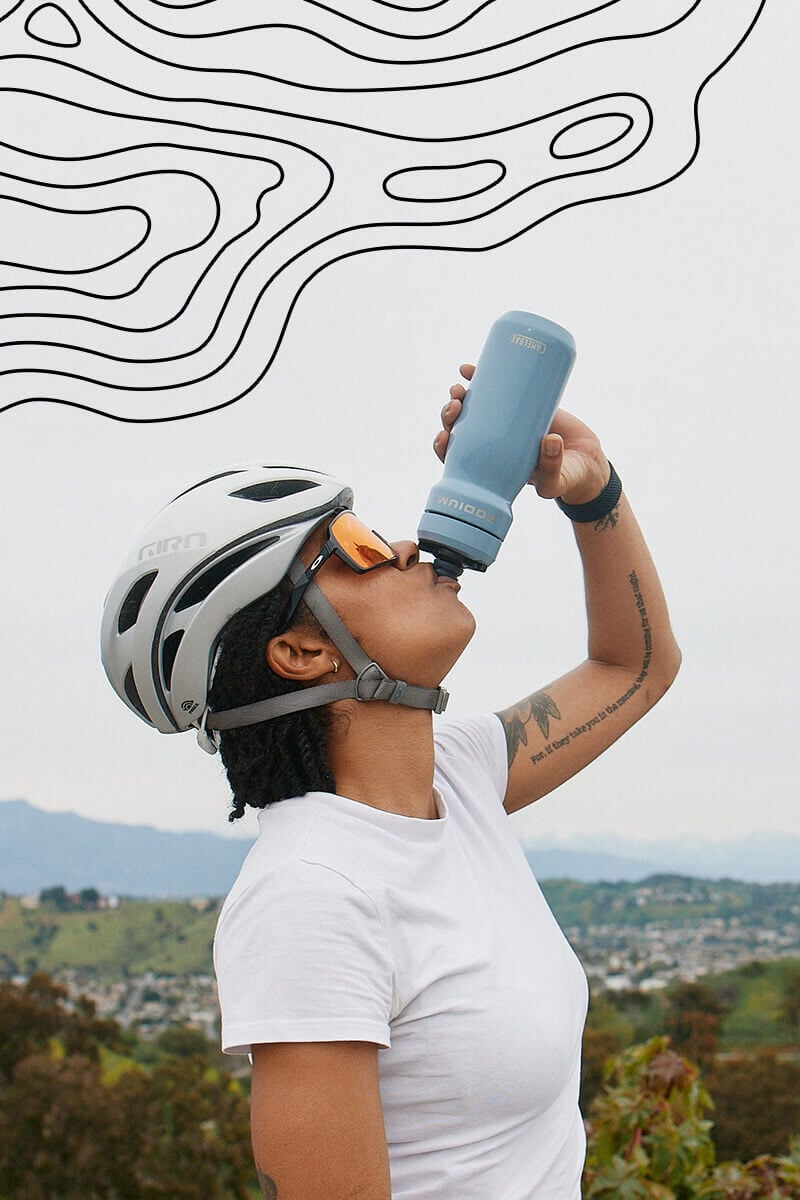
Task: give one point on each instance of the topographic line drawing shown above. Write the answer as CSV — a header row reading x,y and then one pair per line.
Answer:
x,y
173,176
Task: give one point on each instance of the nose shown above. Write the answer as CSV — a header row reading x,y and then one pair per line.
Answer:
x,y
407,554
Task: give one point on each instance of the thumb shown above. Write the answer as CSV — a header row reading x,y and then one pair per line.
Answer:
x,y
546,477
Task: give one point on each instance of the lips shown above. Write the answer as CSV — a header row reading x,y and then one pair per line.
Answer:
x,y
446,581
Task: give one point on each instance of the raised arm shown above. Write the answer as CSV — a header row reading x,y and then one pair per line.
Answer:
x,y
632,654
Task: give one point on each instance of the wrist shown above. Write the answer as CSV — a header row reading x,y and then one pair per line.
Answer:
x,y
599,506
589,489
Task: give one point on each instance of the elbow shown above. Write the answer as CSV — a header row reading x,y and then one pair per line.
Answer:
x,y
664,676
676,658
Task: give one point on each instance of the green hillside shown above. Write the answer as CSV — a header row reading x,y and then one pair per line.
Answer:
x,y
672,900
754,997
167,937
751,999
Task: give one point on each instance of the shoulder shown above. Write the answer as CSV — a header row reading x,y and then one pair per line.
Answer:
x,y
291,894
473,744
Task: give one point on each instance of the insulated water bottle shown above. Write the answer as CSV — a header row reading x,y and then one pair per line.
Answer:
x,y
494,445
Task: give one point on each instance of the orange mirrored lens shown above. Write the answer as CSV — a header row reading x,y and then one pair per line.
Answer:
x,y
365,547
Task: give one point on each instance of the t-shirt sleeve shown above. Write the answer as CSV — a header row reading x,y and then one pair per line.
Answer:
x,y
474,745
302,956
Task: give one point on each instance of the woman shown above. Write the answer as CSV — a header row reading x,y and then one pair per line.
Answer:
x,y
413,1011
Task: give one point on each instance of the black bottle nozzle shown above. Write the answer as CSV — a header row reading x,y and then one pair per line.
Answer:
x,y
448,564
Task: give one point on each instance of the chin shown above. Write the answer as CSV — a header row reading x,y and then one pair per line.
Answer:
x,y
467,631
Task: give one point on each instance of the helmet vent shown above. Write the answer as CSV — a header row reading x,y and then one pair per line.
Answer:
x,y
129,610
210,479
168,652
204,585
134,697
274,489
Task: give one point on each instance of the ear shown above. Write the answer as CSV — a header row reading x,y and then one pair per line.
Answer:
x,y
301,655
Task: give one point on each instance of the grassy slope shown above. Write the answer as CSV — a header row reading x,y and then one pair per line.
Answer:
x,y
168,937
752,904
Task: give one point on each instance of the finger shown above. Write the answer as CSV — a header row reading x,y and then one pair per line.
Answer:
x,y
467,370
440,444
450,413
547,475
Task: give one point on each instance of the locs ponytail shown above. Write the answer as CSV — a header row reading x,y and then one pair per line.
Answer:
x,y
275,759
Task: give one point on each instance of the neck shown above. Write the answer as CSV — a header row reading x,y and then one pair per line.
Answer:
x,y
382,755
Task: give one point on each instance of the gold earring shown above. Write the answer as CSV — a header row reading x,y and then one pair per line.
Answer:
x,y
335,665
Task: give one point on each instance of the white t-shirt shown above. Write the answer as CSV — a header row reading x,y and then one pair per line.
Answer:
x,y
432,939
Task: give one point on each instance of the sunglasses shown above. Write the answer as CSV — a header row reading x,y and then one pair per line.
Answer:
x,y
354,543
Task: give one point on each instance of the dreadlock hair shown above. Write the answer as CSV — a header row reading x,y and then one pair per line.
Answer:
x,y
275,759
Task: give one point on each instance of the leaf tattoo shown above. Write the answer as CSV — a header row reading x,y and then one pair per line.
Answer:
x,y
609,521
543,707
540,707
268,1189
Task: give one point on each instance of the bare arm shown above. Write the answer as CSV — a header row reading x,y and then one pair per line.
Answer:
x,y
632,653
317,1121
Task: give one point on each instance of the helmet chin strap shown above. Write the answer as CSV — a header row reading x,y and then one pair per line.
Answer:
x,y
371,682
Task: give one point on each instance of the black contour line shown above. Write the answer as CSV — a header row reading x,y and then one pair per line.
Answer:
x,y
88,212
370,250
44,41
313,246
410,87
595,149
201,277
479,162
321,120
391,62
46,287
174,254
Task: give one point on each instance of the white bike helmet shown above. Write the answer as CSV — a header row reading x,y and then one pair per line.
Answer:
x,y
206,555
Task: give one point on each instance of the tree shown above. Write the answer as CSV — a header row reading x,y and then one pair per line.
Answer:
x,y
179,1132
757,1099
183,1042
55,896
89,898
32,1015
29,1017
790,1006
599,1045
693,1022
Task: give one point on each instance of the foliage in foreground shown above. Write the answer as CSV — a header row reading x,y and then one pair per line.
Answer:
x,y
81,1120
73,1129
649,1138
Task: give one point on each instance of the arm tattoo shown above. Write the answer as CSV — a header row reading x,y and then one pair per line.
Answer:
x,y
609,521
540,707
268,1189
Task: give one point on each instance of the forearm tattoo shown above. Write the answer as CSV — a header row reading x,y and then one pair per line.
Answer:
x,y
609,521
268,1189
541,707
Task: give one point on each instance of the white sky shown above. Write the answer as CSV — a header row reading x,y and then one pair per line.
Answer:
x,y
683,306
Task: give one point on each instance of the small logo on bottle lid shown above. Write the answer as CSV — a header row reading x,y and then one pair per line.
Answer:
x,y
519,339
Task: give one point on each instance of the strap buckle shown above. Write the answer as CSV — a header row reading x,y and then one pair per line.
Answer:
x,y
207,739
368,688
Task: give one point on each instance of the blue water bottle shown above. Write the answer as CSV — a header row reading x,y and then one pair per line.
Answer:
x,y
494,445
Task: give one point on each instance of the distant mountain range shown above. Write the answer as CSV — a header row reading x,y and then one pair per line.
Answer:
x,y
41,849
759,858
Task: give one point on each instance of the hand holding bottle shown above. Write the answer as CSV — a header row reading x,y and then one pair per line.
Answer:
x,y
571,463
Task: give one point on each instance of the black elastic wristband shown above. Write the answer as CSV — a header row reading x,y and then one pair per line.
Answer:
x,y
601,506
